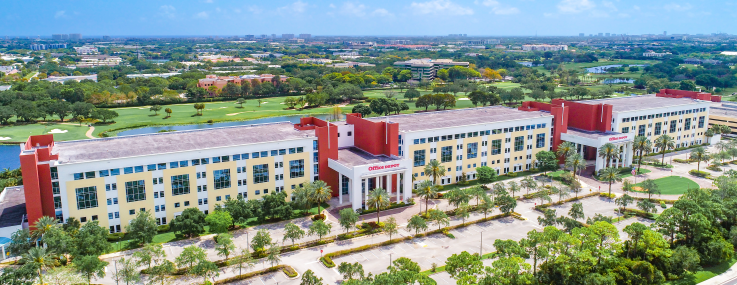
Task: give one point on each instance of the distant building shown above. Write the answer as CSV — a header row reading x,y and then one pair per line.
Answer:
x,y
425,68
482,42
296,41
219,58
287,36
99,60
249,37
75,37
106,38
544,47
655,54
581,34
47,46
86,50
60,37
398,42
351,64
315,60
305,36
697,61
347,53
607,34
220,81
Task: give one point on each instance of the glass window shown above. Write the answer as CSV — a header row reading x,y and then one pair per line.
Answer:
x,y
519,143
221,178
196,161
641,130
55,187
687,124
244,156
57,202
216,159
540,140
297,168
89,174
139,169
673,126
173,165
626,130
658,128
104,173
161,166
274,152
225,158
264,154
419,157
179,184
135,191
496,146
260,173
183,163
300,150
282,151
151,167
701,122
255,155
86,197
472,150
446,154
205,161
236,157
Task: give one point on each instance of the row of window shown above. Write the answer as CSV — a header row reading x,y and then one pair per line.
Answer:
x,y
476,134
446,152
661,115
177,164
673,126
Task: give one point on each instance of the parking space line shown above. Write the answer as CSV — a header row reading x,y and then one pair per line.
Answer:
x,y
364,257
372,253
262,281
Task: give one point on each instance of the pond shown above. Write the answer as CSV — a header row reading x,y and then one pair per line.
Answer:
x,y
617,80
602,69
9,153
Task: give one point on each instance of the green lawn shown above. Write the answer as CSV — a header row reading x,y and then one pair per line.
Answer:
x,y
674,185
629,174
20,133
706,273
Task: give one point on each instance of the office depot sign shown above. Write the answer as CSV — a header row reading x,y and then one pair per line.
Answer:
x,y
380,167
617,138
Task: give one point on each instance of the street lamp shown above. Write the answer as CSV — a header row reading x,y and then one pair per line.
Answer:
x,y
390,259
481,245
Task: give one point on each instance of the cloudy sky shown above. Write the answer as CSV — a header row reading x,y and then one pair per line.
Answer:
x,y
366,17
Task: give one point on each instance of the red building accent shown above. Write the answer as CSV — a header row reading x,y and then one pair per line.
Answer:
x,y
674,93
327,148
376,138
34,158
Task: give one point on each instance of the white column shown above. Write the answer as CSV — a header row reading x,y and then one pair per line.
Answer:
x,y
380,182
365,194
389,186
407,181
340,191
630,153
599,161
355,193
581,151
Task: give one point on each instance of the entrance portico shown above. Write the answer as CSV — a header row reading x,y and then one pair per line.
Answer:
x,y
588,144
361,172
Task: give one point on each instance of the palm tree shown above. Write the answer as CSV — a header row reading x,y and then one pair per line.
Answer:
x,y
565,149
610,174
498,189
641,145
699,154
434,169
608,151
528,183
40,259
427,190
664,143
575,162
320,193
379,198
43,225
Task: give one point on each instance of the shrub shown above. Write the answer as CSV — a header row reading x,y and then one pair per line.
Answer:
x,y
713,168
682,160
115,237
512,174
327,262
606,195
440,195
698,173
318,217
162,228
209,121
289,271
662,204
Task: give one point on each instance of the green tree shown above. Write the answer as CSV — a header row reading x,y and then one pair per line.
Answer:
x,y
699,154
576,211
155,109
126,271
378,199
319,229
434,169
225,245
650,187
438,217
464,267
350,271
292,232
528,183
240,102
565,150
687,85
60,109
549,218
486,174
364,110
391,227
190,257
190,223
20,242
7,113
320,193
309,278
142,228
150,255
427,190
641,146
411,94
90,266
506,204
273,254
219,221
664,143
646,206
575,162
348,219
168,112
608,151
463,211
623,201
243,261
404,75
160,273
104,114
261,240
685,259
513,187
40,259
417,224
610,175
91,239
207,269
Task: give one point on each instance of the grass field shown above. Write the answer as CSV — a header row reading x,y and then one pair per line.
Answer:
x,y
674,185
705,274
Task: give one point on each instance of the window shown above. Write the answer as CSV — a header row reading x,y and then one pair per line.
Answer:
x,y
151,167
179,184
221,178
419,157
496,147
54,173
86,197
176,205
139,169
104,173
55,187
658,128
701,122
260,173
641,130
57,202
297,168
472,150
446,154
687,124
673,126
540,140
135,191
519,143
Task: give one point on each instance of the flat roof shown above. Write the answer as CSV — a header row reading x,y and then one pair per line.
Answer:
x,y
353,156
179,141
590,134
12,207
644,102
722,111
459,117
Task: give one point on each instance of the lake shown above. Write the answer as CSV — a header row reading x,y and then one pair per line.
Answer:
x,y
602,69
9,153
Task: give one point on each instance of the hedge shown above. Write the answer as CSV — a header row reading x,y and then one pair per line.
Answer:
x,y
284,268
687,161
327,259
698,173
543,207
658,201
392,206
639,213
606,195
533,196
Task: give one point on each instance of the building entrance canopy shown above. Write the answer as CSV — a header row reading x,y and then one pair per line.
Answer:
x,y
360,170
588,144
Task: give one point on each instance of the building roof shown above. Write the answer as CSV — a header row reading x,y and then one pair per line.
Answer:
x,y
12,207
352,157
180,141
460,117
637,103
590,134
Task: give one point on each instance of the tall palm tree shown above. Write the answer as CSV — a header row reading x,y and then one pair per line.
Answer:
x,y
699,154
528,183
39,258
565,149
434,169
427,190
643,146
611,175
664,143
575,162
43,225
320,193
378,198
608,151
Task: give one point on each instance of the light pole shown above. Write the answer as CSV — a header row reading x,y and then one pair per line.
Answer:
x,y
116,272
390,259
481,245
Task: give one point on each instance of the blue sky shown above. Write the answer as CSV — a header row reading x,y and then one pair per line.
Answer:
x,y
366,17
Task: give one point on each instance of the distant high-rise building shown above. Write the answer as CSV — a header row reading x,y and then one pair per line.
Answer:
x,y
59,37
305,36
581,34
287,36
250,37
665,33
75,37
273,36
264,36
607,34
601,34
105,38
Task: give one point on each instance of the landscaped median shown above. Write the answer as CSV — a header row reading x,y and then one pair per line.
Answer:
x,y
544,207
327,259
392,206
288,270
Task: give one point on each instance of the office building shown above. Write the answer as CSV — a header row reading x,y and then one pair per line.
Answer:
x,y
581,34
305,36
75,37
425,68
249,37
544,47
287,36
60,37
655,54
106,38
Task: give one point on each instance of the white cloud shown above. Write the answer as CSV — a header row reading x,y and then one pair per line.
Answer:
x,y
357,9
381,12
677,7
609,5
168,11
208,1
636,7
255,10
202,15
500,9
352,9
60,14
296,7
575,6
445,7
